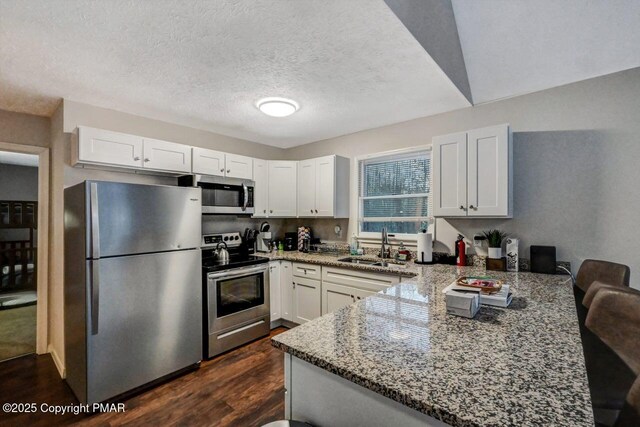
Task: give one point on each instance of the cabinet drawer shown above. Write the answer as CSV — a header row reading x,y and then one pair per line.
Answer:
x,y
374,282
308,271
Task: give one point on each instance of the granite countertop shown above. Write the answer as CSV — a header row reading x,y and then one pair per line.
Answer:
x,y
517,366
408,269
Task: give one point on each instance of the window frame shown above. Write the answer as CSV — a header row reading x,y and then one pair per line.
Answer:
x,y
367,236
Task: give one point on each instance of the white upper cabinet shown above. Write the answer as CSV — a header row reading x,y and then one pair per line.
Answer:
x,y
260,193
217,163
450,175
473,173
238,166
166,156
323,187
282,188
490,174
307,188
208,162
105,147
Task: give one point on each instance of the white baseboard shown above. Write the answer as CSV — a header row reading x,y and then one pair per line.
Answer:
x,y
58,362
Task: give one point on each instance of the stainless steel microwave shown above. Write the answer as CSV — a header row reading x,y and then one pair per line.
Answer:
x,y
222,196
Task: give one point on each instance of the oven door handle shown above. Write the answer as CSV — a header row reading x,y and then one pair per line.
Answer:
x,y
236,272
245,195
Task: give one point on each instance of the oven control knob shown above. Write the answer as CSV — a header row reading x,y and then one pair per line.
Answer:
x,y
226,238
237,238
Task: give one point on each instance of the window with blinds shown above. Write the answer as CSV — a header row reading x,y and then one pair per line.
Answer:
x,y
395,192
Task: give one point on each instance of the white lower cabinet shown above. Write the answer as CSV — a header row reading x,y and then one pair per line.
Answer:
x,y
335,297
274,290
286,291
306,299
300,292
341,286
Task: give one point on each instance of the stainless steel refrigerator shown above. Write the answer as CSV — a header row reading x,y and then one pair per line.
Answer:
x,y
133,285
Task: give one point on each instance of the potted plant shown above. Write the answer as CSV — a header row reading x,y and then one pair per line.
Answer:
x,y
494,239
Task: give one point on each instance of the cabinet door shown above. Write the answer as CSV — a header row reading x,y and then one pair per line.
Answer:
x,y
109,148
306,300
325,186
450,175
282,188
274,290
488,168
261,178
239,166
168,156
286,290
307,188
335,297
208,162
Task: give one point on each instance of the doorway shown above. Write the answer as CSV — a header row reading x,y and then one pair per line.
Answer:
x,y
18,253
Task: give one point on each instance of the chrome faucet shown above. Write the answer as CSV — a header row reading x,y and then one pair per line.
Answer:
x,y
385,247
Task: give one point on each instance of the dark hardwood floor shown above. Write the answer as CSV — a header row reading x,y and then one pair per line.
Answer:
x,y
244,387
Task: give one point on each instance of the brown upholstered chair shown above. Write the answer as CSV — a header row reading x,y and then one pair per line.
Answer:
x,y
603,271
614,317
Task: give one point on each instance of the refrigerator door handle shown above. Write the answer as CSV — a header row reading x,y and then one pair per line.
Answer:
x,y
95,295
95,221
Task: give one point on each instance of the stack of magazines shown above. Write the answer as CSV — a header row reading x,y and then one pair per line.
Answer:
x,y
502,298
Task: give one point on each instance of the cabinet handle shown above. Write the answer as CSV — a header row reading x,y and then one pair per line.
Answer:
x,y
472,207
358,297
222,170
264,211
228,170
294,285
146,160
462,207
316,210
311,210
270,211
136,158
353,298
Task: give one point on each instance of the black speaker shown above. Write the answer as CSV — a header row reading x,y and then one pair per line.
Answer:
x,y
543,259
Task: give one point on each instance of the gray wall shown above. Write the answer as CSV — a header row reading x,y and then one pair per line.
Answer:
x,y
576,153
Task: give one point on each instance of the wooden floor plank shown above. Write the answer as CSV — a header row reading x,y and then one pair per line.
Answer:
x,y
244,387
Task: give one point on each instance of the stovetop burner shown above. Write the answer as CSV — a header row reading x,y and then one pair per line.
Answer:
x,y
210,264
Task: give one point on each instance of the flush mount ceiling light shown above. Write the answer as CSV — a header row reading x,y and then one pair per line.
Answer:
x,y
277,107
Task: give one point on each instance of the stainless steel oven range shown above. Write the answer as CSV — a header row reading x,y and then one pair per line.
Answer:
x,y
236,294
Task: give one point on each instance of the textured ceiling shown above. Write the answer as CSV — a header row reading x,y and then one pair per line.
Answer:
x,y
20,159
520,46
351,65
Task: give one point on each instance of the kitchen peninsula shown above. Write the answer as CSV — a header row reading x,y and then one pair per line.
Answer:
x,y
397,358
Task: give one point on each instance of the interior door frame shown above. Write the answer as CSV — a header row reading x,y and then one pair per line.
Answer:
x,y
42,288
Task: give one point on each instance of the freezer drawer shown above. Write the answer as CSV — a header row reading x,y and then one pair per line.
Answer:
x,y
144,320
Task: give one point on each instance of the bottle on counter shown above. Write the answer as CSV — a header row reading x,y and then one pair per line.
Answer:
x,y
353,247
403,253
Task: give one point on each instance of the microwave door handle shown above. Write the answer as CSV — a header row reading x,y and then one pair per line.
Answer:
x,y
245,193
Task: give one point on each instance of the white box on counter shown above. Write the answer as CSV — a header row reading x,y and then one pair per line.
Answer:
x,y
499,299
462,304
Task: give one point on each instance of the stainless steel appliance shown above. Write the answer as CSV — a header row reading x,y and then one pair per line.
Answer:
x,y
236,295
220,195
132,283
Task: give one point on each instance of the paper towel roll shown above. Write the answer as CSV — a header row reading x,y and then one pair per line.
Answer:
x,y
425,249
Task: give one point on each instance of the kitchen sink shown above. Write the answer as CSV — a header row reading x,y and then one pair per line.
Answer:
x,y
372,262
359,261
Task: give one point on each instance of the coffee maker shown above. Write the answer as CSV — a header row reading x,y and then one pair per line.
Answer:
x,y
264,238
